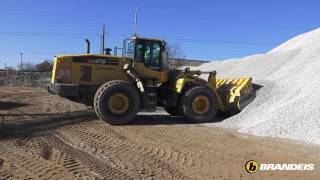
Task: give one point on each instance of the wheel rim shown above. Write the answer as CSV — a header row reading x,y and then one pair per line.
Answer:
x,y
118,103
201,105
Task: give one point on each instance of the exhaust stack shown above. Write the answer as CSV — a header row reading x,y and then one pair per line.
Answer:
x,y
88,46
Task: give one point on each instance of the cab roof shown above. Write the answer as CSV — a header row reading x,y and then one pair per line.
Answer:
x,y
148,39
89,55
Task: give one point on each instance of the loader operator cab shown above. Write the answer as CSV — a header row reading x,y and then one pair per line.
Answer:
x,y
150,52
149,57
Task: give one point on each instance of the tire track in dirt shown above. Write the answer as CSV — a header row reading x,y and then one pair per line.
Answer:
x,y
162,151
154,161
4,170
94,164
169,148
10,171
170,153
38,167
38,146
73,165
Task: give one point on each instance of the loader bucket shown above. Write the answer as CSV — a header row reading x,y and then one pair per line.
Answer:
x,y
235,94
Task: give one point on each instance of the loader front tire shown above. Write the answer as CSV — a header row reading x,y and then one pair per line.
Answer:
x,y
199,104
117,102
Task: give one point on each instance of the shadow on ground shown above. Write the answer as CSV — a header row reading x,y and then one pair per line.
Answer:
x,y
256,87
169,120
11,105
44,123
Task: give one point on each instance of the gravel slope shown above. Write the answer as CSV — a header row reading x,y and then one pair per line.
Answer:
x,y
288,105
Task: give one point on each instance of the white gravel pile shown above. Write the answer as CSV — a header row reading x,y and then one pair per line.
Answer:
x,y
288,104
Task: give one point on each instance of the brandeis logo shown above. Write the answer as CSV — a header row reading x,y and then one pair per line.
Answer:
x,y
253,166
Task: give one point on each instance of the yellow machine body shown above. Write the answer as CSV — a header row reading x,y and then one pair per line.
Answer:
x,y
69,69
233,94
78,77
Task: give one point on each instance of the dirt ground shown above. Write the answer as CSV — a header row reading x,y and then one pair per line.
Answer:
x,y
43,136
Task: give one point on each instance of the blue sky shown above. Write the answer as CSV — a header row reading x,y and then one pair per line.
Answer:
x,y
206,30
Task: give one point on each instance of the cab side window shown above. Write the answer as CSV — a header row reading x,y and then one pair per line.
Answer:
x,y
152,55
156,54
140,49
130,51
149,53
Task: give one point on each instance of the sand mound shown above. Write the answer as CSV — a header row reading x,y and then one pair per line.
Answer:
x,y
288,105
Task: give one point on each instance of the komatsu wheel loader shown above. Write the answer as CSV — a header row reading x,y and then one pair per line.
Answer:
x,y
119,87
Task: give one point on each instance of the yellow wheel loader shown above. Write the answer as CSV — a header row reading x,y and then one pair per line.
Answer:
x,y
140,80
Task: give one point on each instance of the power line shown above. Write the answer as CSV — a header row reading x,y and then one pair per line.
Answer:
x,y
73,35
49,34
206,40
122,36
67,25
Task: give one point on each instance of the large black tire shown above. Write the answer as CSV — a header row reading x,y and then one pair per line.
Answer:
x,y
110,89
187,108
173,111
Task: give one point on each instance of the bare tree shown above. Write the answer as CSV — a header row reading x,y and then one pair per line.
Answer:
x,y
45,66
29,66
174,51
10,68
175,54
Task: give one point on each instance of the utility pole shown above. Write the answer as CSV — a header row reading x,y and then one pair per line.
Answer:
x,y
135,21
103,39
21,68
21,76
5,66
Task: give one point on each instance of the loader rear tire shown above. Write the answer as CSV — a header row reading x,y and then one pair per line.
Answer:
x,y
199,104
117,102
